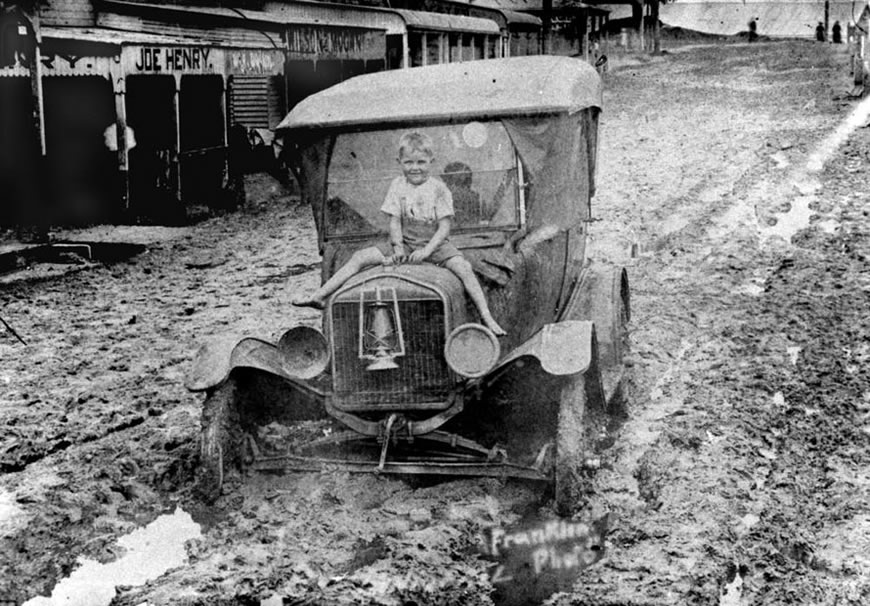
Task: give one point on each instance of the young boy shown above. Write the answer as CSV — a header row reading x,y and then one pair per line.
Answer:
x,y
420,210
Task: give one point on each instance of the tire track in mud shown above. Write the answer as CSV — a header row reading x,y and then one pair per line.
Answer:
x,y
703,275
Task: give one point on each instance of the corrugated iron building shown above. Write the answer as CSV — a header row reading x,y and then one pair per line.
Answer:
x,y
140,102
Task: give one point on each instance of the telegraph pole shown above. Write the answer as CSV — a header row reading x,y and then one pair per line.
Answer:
x,y
33,224
827,13
547,26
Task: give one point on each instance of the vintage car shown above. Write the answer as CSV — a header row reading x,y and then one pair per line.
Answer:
x,y
403,378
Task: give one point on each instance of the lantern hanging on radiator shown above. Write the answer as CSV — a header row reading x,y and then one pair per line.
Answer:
x,y
380,329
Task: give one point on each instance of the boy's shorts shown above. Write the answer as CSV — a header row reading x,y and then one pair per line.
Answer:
x,y
445,251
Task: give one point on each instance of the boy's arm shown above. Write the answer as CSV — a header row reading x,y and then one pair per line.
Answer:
x,y
396,237
438,237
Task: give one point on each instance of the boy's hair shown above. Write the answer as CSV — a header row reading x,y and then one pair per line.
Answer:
x,y
416,141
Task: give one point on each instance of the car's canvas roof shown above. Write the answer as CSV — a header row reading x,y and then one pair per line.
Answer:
x,y
473,89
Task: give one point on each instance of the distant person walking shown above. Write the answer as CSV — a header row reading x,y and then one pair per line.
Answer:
x,y
753,30
836,33
820,32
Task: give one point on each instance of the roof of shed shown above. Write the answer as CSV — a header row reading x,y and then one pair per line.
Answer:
x,y
453,23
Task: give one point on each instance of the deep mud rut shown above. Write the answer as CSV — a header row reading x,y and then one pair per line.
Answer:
x,y
739,477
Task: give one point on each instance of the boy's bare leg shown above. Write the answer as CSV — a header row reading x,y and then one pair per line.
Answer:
x,y
357,262
462,268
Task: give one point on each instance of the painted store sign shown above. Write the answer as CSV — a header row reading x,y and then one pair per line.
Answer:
x,y
338,43
200,60
171,59
255,62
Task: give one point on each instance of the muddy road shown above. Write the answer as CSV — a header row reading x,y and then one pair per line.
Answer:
x,y
737,174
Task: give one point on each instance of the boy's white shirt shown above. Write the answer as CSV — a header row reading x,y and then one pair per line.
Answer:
x,y
427,202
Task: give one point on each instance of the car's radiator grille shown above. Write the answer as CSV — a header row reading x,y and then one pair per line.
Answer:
x,y
423,377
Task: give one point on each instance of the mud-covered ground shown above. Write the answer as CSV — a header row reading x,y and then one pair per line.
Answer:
x,y
739,477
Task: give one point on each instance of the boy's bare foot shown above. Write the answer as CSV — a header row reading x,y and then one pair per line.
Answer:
x,y
494,327
308,302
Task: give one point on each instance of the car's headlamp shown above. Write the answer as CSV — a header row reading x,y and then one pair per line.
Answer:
x,y
472,350
304,352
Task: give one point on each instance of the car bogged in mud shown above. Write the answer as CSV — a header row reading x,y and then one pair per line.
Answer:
x,y
402,377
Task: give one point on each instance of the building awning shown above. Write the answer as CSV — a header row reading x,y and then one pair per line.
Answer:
x,y
114,37
343,15
394,21
514,5
518,18
447,23
588,8
303,35
232,14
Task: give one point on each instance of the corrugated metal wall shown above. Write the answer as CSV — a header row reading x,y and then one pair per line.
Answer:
x,y
78,13
256,101
225,36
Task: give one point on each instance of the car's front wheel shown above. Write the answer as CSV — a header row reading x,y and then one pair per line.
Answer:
x,y
220,439
581,425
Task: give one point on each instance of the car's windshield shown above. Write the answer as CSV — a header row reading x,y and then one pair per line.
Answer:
x,y
475,160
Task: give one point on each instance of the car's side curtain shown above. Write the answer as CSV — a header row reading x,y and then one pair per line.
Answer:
x,y
309,162
591,126
555,154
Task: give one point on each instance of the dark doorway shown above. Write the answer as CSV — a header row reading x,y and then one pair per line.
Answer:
x,y
19,155
80,171
153,170
203,153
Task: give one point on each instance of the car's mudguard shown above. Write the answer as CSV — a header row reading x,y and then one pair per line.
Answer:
x,y
563,348
217,358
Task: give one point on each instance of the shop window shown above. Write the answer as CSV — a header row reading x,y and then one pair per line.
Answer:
x,y
415,48
477,46
433,49
455,48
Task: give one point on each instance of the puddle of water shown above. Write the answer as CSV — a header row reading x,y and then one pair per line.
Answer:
x,y
732,594
10,513
832,142
672,224
829,226
781,160
788,224
740,214
150,551
752,289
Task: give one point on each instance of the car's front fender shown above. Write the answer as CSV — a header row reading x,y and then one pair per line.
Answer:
x,y
563,348
301,354
216,358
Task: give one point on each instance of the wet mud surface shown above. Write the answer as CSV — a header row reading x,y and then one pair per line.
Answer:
x,y
740,475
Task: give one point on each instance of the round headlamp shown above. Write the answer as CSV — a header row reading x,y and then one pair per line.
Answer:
x,y
304,352
472,350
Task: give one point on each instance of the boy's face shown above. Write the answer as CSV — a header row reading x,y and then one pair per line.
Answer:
x,y
415,166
